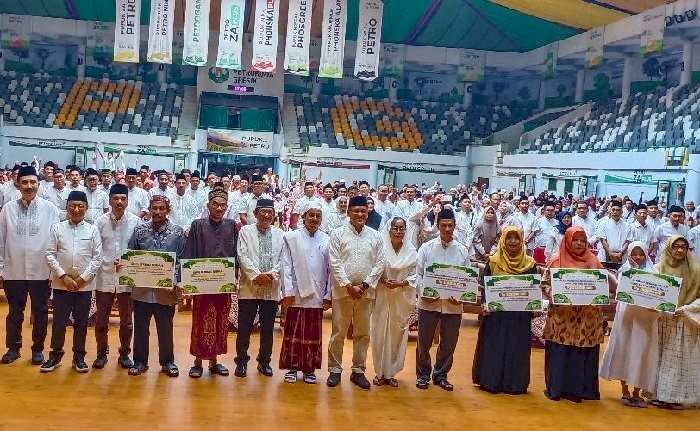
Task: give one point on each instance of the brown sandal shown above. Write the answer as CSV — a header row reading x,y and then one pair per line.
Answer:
x,y
378,381
392,382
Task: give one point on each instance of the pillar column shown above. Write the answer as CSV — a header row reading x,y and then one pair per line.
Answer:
x,y
316,86
391,85
626,79
161,75
543,94
580,81
2,59
687,70
468,92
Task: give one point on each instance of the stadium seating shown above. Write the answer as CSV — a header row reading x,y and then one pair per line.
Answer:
x,y
645,121
344,121
102,105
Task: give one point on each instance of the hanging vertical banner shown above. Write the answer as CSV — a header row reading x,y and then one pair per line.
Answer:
x,y
296,53
265,35
196,32
160,32
594,51
369,36
550,60
653,26
392,60
335,18
127,31
99,47
315,54
231,34
471,66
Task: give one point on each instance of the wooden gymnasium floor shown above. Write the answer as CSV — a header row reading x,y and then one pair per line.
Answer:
x,y
110,399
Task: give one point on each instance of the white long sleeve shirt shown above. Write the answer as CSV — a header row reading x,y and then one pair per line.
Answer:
x,y
317,263
644,234
115,235
98,204
588,224
526,222
183,210
249,256
24,233
355,257
615,232
74,249
666,230
406,210
434,251
58,198
694,240
138,201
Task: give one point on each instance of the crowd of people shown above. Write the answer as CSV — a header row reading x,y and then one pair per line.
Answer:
x,y
363,254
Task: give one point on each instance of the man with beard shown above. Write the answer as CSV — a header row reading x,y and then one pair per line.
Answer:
x,y
138,197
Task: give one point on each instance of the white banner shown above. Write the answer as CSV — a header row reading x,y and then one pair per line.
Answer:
x,y
160,31
594,50
196,33
241,142
127,31
231,34
335,16
471,66
369,36
653,26
265,35
296,53
392,60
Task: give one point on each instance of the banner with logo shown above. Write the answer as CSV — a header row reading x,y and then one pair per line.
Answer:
x,y
471,66
335,18
15,32
594,51
231,34
196,46
127,31
550,60
241,142
160,32
315,54
296,53
392,60
653,26
99,47
265,35
369,36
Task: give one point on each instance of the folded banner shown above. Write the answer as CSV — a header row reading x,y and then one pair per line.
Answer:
x,y
196,32
653,27
594,51
369,35
296,53
265,35
160,31
335,18
127,31
231,34
241,142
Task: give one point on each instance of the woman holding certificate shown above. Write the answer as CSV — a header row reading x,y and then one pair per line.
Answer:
x,y
573,333
502,357
678,384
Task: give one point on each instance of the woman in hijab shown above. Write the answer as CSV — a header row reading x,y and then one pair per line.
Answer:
x,y
486,234
502,357
557,233
374,219
678,383
632,355
340,215
573,333
396,298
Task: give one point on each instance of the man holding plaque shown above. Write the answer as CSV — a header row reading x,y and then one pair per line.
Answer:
x,y
447,312
259,253
214,236
74,256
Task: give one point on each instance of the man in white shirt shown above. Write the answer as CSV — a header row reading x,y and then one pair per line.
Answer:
x,y
406,209
25,225
614,235
10,192
47,180
383,205
303,202
138,197
183,207
447,312
640,229
586,219
306,294
250,201
162,189
105,180
197,191
544,229
74,179
694,240
357,262
654,217
673,226
98,201
115,228
328,207
57,193
74,255
526,221
691,212
468,214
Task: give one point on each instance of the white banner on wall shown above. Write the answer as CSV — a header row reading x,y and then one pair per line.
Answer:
x,y
242,142
471,66
196,32
265,35
296,53
127,31
369,35
231,34
392,60
595,50
335,18
160,31
653,26
240,82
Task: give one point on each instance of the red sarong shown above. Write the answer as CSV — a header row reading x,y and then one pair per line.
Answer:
x,y
209,325
301,345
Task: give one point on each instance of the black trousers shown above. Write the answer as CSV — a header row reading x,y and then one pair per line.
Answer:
x,y
449,334
163,314
247,308
66,303
16,292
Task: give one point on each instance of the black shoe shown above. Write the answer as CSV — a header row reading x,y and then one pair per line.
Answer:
x,y
125,362
138,369
241,370
37,358
196,371
422,383
11,356
265,370
444,384
51,364
360,380
549,397
170,370
80,366
99,362
333,380
218,370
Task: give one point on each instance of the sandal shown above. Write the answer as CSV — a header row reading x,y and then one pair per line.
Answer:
x,y
310,378
639,402
392,382
378,381
138,369
627,401
290,376
196,371
218,369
